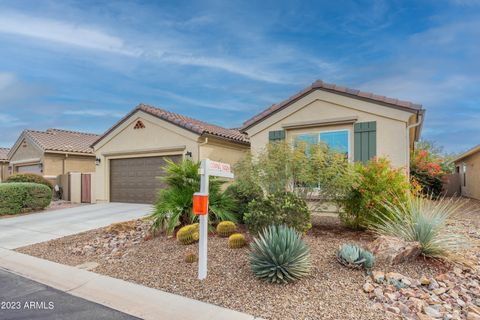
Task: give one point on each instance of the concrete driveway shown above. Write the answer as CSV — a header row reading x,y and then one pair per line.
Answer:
x,y
38,227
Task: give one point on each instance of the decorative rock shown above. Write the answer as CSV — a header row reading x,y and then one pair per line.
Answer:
x,y
422,316
89,265
432,312
474,309
473,316
367,287
395,250
393,309
433,285
378,276
424,281
439,291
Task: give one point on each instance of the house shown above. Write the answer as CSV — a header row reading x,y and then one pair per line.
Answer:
x,y
131,154
4,164
52,153
362,125
465,180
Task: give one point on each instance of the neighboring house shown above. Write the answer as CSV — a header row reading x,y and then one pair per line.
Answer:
x,y
52,153
131,153
465,180
360,124
3,163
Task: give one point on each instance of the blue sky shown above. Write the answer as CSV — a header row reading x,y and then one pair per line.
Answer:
x,y
81,65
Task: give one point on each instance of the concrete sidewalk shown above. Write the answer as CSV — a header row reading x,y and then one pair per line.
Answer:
x,y
129,298
21,231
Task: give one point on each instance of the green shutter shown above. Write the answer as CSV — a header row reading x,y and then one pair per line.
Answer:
x,y
365,141
277,135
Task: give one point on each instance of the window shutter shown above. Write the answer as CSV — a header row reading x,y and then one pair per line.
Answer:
x,y
277,135
365,141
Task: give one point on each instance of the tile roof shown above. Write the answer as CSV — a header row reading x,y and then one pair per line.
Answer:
x,y
4,153
63,140
319,84
194,125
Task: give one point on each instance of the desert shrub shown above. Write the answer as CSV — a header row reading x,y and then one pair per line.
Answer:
x,y
310,172
242,193
278,208
174,203
423,219
375,182
29,177
428,172
279,255
353,256
18,197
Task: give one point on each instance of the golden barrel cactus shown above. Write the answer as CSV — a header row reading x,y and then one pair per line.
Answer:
x,y
190,257
236,240
226,228
188,234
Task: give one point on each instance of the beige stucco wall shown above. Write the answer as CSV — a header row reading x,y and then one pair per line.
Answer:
x,y
56,164
156,139
471,187
220,150
3,171
26,150
320,105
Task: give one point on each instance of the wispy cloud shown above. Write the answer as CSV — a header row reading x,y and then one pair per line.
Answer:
x,y
63,33
9,121
94,113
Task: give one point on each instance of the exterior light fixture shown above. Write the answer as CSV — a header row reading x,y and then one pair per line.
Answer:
x,y
188,154
98,161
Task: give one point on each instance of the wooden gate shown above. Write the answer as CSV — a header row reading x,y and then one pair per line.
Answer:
x,y
86,193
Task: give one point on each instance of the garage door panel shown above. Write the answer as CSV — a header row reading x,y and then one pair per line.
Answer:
x,y
137,179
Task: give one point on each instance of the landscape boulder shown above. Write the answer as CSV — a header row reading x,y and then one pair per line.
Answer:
x,y
394,250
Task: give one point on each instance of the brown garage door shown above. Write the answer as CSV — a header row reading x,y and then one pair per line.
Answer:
x,y
136,179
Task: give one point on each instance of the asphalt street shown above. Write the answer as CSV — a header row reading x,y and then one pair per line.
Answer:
x,y
22,299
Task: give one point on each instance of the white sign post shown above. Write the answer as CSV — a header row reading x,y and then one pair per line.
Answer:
x,y
208,168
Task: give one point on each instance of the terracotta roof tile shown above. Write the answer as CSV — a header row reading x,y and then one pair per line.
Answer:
x,y
4,153
63,140
319,84
195,125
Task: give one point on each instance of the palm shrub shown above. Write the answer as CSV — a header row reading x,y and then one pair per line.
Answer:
x,y
174,202
278,208
279,255
424,220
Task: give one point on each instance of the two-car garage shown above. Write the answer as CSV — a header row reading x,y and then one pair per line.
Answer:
x,y
137,180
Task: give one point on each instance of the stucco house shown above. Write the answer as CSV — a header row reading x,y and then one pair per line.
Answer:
x,y
52,153
131,153
465,180
360,124
4,163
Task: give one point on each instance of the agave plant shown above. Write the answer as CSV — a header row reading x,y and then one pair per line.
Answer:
x,y
353,256
424,220
279,255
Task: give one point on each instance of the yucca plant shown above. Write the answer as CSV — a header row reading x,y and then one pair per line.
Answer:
x,y
353,256
279,255
424,220
174,203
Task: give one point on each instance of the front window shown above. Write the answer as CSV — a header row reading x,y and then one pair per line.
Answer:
x,y
337,140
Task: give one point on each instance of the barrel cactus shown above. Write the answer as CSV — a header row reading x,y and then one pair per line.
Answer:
x,y
190,257
279,255
353,256
188,234
236,240
226,228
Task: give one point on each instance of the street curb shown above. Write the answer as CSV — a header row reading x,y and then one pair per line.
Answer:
x,y
127,297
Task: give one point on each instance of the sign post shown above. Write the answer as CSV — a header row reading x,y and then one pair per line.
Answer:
x,y
200,206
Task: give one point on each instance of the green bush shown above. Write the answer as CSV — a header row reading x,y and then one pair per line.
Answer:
x,y
424,220
279,255
175,202
19,197
243,193
29,177
374,183
278,208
